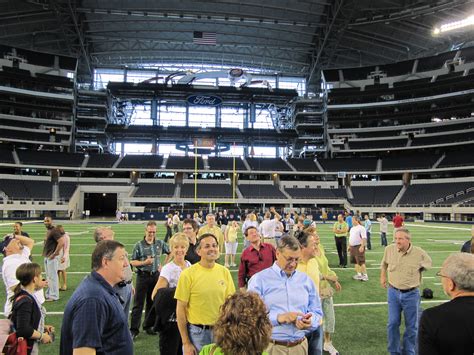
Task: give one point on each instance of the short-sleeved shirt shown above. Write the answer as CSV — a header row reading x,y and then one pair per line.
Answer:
x,y
142,250
349,221
94,318
50,243
341,225
232,233
253,261
397,221
9,266
171,273
204,290
191,254
404,268
383,225
215,230
368,225
356,234
267,228
311,268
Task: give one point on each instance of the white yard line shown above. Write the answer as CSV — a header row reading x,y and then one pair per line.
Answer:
x,y
437,227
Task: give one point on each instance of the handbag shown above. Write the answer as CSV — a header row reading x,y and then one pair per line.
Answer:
x,y
15,345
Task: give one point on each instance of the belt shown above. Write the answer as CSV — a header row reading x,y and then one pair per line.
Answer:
x,y
404,291
203,326
288,344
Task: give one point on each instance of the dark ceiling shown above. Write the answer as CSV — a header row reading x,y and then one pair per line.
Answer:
x,y
297,37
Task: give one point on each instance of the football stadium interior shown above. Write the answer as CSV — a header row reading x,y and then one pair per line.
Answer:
x,y
148,107
143,107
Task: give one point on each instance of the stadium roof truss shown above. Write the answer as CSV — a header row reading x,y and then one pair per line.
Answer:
x,y
288,37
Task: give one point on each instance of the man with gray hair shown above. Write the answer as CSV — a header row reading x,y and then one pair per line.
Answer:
x,y
449,327
291,298
403,263
93,321
124,288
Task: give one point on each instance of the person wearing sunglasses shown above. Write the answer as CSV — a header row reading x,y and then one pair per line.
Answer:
x,y
448,329
291,298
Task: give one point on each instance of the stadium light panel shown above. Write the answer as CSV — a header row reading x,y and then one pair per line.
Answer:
x,y
455,25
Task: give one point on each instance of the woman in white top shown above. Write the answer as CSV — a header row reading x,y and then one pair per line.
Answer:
x,y
170,273
170,340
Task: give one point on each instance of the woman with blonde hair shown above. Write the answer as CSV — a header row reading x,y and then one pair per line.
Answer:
x,y
231,243
326,291
163,296
243,327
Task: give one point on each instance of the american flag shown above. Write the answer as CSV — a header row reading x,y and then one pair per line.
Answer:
x,y
208,38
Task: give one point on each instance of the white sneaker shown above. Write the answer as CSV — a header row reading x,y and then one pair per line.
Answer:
x,y
330,349
364,278
357,277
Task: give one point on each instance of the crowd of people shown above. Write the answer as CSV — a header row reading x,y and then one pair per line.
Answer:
x,y
283,302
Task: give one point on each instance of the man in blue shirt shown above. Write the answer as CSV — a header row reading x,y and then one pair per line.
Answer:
x,y
348,218
292,299
94,322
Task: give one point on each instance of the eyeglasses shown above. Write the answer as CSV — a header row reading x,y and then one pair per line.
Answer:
x,y
439,274
290,260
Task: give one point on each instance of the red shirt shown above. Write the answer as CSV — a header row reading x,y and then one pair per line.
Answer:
x,y
253,261
397,221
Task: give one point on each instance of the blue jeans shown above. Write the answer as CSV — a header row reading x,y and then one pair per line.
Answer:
x,y
315,342
383,238
409,304
369,243
51,270
199,337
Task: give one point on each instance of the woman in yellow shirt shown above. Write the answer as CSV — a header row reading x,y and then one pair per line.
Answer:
x,y
309,265
230,238
326,291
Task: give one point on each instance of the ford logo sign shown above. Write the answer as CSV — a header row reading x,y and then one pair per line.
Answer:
x,y
204,100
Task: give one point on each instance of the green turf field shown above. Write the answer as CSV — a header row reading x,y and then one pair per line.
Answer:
x,y
361,312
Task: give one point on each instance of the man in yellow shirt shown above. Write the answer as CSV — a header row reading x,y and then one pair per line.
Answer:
x,y
201,291
212,228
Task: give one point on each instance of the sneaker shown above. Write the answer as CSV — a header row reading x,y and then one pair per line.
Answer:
x,y
357,277
364,278
134,335
226,265
330,349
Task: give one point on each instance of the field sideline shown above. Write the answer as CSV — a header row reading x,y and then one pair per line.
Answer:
x,y
361,311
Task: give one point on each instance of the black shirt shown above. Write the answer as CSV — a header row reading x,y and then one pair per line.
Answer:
x,y
191,254
448,328
50,243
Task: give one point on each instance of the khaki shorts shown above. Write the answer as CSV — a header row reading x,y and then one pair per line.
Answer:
x,y
356,256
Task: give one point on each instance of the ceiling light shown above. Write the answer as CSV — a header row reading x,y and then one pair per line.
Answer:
x,y
469,21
